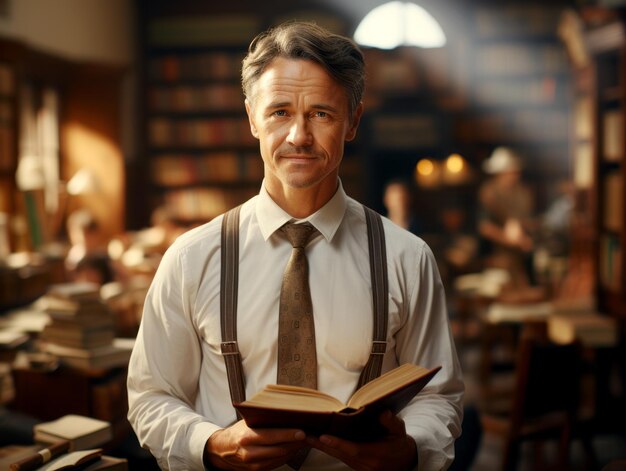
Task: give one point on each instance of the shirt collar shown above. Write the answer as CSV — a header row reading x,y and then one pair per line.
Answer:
x,y
326,220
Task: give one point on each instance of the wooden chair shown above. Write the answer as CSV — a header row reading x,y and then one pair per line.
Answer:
x,y
544,401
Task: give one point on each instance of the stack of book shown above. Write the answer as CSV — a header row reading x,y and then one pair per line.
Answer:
x,y
81,331
70,443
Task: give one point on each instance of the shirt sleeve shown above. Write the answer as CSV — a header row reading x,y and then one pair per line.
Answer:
x,y
163,373
433,417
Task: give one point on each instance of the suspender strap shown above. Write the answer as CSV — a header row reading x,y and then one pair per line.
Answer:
x,y
380,288
228,300
228,304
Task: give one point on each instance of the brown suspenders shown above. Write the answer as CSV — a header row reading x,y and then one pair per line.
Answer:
x,y
228,300
228,304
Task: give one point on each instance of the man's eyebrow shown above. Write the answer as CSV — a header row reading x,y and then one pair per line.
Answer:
x,y
316,106
324,107
276,105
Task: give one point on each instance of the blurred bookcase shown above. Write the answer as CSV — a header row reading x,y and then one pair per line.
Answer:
x,y
200,156
607,46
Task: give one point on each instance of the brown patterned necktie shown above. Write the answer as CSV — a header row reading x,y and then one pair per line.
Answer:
x,y
297,360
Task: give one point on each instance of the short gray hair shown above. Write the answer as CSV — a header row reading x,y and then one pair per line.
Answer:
x,y
339,55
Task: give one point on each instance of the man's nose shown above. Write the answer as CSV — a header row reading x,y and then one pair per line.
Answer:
x,y
300,133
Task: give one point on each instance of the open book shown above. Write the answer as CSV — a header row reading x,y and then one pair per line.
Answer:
x,y
318,413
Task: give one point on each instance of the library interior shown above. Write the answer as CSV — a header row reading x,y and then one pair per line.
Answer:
x,y
494,130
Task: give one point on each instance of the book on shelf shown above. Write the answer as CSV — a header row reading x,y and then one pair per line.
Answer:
x,y
319,413
36,216
200,132
583,117
82,432
610,262
107,356
583,165
217,65
196,98
613,135
613,201
590,328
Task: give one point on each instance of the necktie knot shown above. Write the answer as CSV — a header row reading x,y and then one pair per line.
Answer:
x,y
298,234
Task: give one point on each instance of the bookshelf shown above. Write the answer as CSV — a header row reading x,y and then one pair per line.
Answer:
x,y
200,157
607,45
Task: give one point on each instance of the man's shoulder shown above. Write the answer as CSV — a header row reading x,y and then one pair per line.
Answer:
x,y
395,236
207,233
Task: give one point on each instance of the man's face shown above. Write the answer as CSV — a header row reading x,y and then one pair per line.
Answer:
x,y
300,116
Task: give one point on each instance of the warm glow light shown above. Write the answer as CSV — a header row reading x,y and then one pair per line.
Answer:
x,y
455,163
428,173
425,167
397,24
457,171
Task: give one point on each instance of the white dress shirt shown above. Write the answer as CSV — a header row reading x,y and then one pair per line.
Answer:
x,y
177,384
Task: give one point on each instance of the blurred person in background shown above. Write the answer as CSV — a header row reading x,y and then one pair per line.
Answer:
x,y
505,217
398,201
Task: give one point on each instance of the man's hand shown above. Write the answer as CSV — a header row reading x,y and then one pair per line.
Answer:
x,y
240,447
395,451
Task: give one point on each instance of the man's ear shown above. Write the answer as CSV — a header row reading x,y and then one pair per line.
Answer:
x,y
356,119
253,128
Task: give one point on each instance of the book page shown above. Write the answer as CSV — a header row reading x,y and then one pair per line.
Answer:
x,y
386,383
280,396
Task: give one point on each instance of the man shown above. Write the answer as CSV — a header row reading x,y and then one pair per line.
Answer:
x,y
303,88
505,217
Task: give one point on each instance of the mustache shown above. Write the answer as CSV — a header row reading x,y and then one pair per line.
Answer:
x,y
305,151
